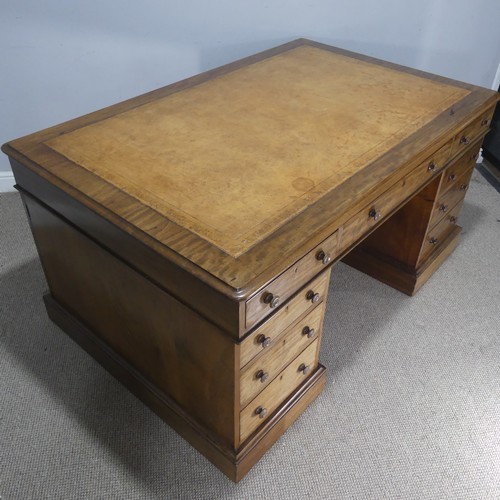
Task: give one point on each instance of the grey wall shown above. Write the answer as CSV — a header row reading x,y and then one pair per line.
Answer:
x,y
62,59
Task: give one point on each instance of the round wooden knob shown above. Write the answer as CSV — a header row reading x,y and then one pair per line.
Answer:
x,y
443,207
264,341
262,375
313,296
374,214
452,177
310,332
305,369
453,219
272,300
261,412
325,258
464,187
464,140
431,167
433,241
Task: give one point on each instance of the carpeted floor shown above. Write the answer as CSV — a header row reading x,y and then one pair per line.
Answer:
x,y
411,409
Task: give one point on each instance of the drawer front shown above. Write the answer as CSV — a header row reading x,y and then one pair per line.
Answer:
x,y
378,211
264,337
438,233
262,370
260,409
470,133
455,194
284,286
459,168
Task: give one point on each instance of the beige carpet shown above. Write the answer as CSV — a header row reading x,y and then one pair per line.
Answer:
x,y
411,409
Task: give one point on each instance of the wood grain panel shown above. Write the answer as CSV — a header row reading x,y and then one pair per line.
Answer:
x,y
173,347
205,442
407,280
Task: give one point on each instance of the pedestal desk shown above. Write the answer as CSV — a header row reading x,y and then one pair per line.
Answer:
x,y
187,235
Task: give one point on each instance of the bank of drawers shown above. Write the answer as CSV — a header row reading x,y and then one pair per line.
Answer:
x,y
438,233
459,168
281,354
449,199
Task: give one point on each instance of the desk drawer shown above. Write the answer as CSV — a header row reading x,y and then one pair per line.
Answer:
x,y
264,337
377,212
439,232
470,133
284,286
454,194
259,410
262,370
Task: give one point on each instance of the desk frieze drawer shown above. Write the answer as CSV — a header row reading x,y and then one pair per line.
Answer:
x,y
261,371
377,211
284,286
470,133
259,410
264,337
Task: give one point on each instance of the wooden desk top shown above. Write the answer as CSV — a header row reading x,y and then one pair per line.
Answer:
x,y
248,166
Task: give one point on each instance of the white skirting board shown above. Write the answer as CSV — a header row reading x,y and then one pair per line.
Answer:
x,y
6,182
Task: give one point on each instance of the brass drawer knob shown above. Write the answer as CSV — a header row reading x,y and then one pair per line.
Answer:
x,y
464,140
484,122
433,241
262,376
313,296
452,177
264,341
464,187
310,332
443,207
305,369
325,258
453,219
272,300
261,412
431,167
374,214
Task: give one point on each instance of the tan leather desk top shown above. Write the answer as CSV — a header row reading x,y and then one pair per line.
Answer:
x,y
255,162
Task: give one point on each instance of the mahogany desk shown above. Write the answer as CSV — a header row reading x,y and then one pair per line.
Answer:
x,y
187,235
